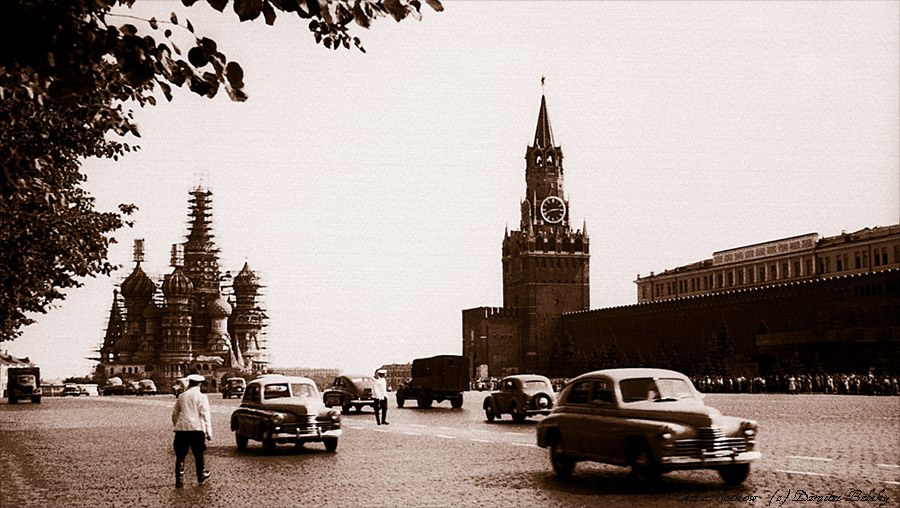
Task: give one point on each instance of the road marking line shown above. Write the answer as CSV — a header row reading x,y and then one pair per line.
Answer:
x,y
522,444
891,482
446,428
417,425
888,465
445,436
411,433
800,472
822,459
380,430
480,440
515,433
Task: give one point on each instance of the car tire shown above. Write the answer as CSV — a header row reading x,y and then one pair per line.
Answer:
x,y
330,444
358,408
35,400
345,409
423,401
563,465
456,402
400,400
489,412
517,416
241,441
644,467
734,474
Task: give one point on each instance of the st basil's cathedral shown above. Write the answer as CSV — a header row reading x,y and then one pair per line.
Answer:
x,y
192,322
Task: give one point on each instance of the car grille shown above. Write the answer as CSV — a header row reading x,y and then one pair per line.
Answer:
x,y
308,425
710,440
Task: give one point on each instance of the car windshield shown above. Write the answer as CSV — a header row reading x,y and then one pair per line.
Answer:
x,y
26,379
303,390
276,391
660,390
362,379
537,385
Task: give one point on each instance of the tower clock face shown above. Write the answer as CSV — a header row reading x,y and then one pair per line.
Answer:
x,y
553,209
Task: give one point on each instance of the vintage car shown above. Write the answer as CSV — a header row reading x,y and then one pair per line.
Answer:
x,y
284,409
114,386
146,387
350,391
71,390
652,420
233,387
522,395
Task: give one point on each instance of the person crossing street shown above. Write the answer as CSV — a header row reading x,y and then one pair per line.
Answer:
x,y
193,427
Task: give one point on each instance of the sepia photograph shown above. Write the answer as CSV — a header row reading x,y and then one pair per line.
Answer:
x,y
440,253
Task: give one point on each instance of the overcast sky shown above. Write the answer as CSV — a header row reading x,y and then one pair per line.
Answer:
x,y
371,191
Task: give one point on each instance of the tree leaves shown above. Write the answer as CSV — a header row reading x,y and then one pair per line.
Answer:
x,y
248,9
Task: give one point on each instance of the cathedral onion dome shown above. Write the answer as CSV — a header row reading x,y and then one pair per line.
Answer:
x,y
219,308
177,284
138,284
151,311
245,278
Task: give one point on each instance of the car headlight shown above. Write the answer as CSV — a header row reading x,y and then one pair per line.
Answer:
x,y
749,432
665,436
278,418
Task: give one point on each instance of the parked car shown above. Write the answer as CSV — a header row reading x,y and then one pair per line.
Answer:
x,y
113,386
284,409
652,420
132,388
350,391
233,387
522,395
71,390
146,387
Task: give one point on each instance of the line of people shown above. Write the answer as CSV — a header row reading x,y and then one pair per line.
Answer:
x,y
843,384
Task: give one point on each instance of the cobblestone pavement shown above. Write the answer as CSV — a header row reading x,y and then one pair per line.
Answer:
x,y
116,451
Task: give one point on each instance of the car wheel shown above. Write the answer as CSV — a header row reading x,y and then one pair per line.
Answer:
x,y
643,465
358,408
735,474
330,444
423,401
241,441
456,402
400,400
563,465
345,409
489,413
517,416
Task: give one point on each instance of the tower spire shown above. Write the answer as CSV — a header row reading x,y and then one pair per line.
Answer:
x,y
543,134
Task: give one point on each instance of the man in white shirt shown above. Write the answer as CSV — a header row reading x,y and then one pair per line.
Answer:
x,y
379,393
193,427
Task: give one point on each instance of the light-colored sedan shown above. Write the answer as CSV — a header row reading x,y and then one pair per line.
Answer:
x,y
652,420
284,409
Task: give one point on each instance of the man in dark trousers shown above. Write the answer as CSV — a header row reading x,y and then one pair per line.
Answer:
x,y
193,427
380,396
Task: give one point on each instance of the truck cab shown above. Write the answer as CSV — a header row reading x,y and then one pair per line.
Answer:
x,y
24,383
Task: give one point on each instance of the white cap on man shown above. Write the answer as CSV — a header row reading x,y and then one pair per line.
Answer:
x,y
197,378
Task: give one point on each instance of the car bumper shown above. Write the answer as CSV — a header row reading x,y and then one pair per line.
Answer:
x,y
723,458
317,435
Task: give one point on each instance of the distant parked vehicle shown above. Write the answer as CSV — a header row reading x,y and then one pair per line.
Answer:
x,y
233,387
522,395
113,386
146,387
24,383
350,391
71,390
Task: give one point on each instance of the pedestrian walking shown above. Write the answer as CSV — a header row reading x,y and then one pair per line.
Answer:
x,y
193,427
380,396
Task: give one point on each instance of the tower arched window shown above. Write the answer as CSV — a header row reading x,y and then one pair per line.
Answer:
x,y
538,160
550,159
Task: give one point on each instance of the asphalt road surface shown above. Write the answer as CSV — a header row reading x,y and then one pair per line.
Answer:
x,y
818,450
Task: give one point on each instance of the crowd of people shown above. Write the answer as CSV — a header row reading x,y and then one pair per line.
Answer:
x,y
843,384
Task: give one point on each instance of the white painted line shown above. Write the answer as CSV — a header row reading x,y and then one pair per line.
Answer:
x,y
801,457
411,433
380,430
445,436
800,472
890,482
417,425
514,433
481,440
888,465
523,444
446,428
355,427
